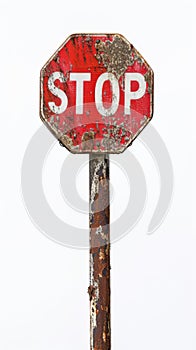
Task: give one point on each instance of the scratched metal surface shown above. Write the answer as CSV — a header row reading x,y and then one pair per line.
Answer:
x,y
99,289
91,131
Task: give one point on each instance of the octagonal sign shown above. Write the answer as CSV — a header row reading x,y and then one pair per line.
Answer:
x,y
96,93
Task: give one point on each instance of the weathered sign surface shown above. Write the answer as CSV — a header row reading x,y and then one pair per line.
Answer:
x,y
96,93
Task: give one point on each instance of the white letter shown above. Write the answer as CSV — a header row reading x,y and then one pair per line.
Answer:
x,y
57,92
80,78
115,94
133,95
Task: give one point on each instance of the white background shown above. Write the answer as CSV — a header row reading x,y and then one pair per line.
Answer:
x,y
43,285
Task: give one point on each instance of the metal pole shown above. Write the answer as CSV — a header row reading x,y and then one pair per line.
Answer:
x,y
99,222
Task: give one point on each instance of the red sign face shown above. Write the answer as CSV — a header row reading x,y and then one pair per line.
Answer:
x,y
96,93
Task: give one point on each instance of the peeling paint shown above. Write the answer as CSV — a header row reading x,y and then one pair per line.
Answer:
x,y
88,140
66,141
99,289
116,55
149,79
100,167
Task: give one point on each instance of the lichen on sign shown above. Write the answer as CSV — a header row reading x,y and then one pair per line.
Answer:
x,y
116,55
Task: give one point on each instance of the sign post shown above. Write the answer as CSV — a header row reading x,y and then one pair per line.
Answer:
x,y
96,97
99,289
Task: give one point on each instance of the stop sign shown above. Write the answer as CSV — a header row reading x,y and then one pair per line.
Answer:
x,y
96,93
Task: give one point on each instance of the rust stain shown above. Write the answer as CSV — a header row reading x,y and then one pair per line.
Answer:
x,y
88,141
149,79
66,141
137,57
113,135
99,290
116,55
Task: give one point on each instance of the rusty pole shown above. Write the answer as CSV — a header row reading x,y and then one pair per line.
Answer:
x,y
99,222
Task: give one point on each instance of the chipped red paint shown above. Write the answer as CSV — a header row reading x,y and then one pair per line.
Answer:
x,y
90,131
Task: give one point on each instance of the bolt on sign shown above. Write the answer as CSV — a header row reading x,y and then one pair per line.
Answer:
x,y
96,97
